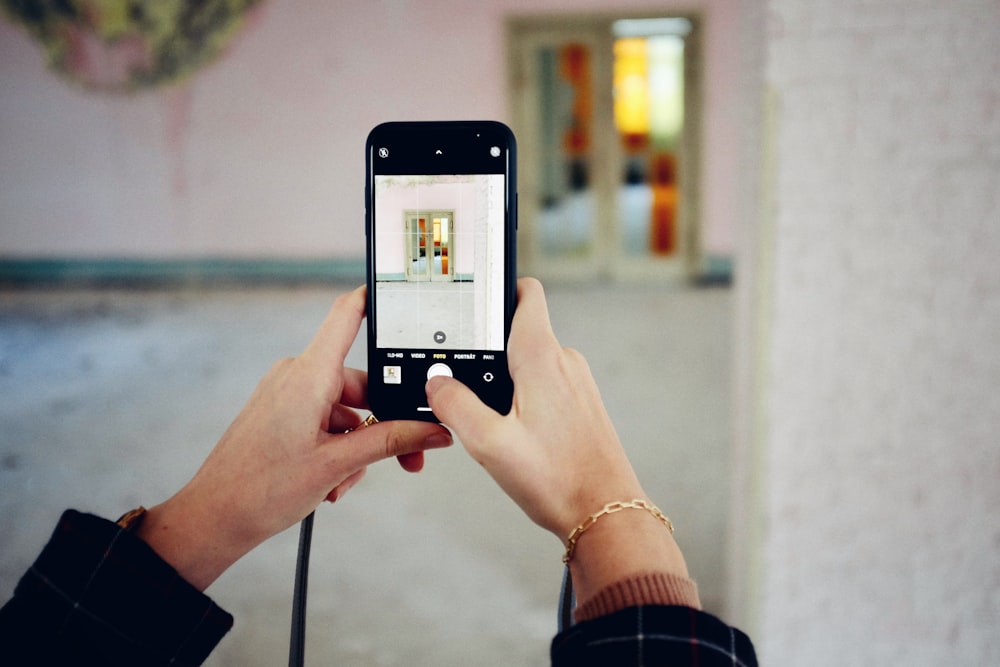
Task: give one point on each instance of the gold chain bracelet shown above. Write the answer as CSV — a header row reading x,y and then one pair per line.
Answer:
x,y
611,508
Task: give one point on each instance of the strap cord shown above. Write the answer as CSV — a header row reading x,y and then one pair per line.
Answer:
x,y
567,602
297,644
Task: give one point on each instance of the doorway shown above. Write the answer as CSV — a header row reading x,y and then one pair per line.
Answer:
x,y
429,241
606,111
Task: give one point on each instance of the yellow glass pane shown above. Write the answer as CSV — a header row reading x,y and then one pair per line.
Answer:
x,y
631,86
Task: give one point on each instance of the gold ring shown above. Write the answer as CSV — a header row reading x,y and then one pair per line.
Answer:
x,y
369,420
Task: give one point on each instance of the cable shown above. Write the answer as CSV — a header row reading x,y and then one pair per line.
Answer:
x,y
297,644
567,601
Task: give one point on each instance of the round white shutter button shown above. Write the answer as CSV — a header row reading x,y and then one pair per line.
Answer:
x,y
439,369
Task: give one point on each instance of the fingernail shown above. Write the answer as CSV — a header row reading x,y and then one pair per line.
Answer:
x,y
438,440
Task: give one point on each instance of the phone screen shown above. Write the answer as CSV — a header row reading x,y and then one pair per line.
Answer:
x,y
441,200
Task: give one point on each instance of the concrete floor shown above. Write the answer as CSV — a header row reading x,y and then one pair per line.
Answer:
x,y
112,398
413,314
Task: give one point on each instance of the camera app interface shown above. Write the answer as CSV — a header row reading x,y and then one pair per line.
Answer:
x,y
439,263
438,252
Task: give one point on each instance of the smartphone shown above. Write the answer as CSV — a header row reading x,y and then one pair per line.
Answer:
x,y
441,225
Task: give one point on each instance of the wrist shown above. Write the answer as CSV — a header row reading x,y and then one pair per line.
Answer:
x,y
193,542
621,545
609,509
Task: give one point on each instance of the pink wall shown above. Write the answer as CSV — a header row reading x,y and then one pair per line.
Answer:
x,y
261,153
457,197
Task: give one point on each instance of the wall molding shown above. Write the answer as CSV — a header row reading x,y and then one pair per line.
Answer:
x,y
193,272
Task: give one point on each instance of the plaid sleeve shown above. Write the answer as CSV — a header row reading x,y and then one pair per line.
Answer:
x,y
99,595
654,635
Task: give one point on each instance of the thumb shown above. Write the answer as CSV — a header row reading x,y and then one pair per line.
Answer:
x,y
365,446
458,406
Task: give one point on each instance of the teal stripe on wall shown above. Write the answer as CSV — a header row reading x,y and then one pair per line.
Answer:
x,y
178,272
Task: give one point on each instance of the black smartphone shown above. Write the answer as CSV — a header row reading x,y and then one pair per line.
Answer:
x,y
440,221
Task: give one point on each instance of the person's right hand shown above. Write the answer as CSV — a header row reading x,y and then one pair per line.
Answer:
x,y
556,453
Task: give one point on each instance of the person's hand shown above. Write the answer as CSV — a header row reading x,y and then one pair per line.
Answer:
x,y
284,454
556,453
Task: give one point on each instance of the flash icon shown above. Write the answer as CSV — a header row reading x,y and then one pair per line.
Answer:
x,y
383,152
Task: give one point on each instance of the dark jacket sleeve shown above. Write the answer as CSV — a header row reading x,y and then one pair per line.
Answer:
x,y
99,595
653,635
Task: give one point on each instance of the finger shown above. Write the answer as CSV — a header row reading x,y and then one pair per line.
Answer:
x,y
458,406
531,304
333,340
412,462
341,489
365,446
531,334
355,391
342,418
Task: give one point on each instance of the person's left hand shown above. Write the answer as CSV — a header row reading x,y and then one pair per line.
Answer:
x,y
285,453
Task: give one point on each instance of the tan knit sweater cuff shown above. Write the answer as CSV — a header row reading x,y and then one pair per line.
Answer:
x,y
644,589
